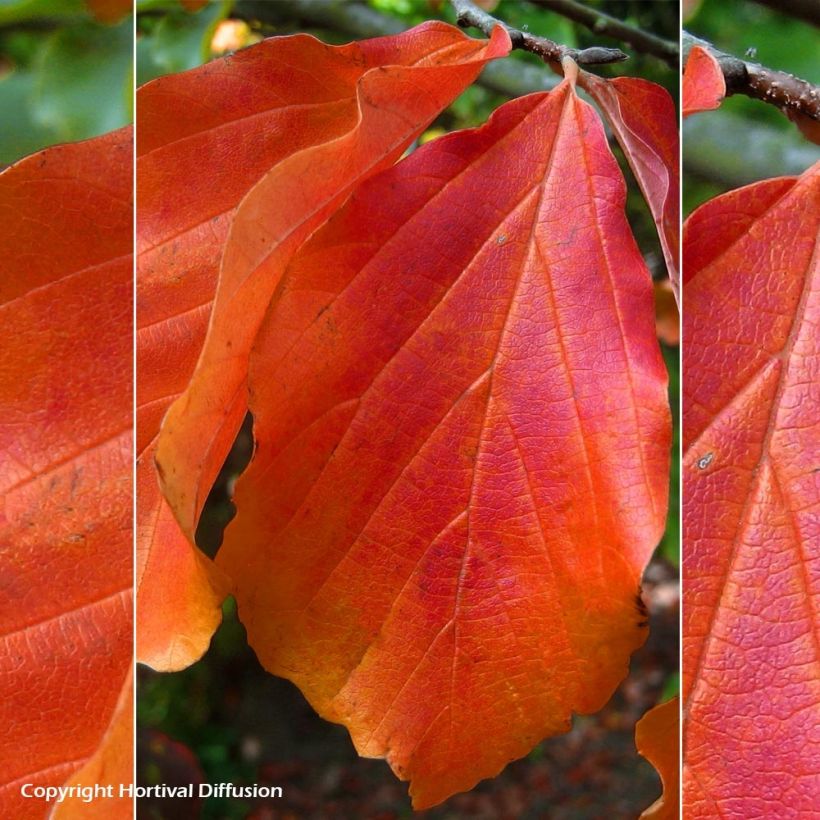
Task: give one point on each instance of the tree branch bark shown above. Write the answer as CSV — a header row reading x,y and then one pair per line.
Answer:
x,y
601,23
778,88
470,15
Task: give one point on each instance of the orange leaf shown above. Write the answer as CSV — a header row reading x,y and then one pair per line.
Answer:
x,y
704,86
65,459
642,116
667,318
751,662
289,104
111,765
463,444
110,11
374,99
180,591
657,736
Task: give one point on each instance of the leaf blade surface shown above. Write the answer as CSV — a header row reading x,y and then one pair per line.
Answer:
x,y
393,103
704,86
290,105
657,736
751,432
65,458
411,547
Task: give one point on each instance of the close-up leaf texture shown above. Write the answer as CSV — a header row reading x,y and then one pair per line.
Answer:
x,y
462,453
751,570
66,535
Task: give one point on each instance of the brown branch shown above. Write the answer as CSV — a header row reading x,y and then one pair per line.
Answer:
x,y
468,14
778,88
808,10
600,23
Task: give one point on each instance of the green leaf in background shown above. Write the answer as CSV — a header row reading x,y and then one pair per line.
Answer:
x,y
671,687
83,80
20,135
177,41
670,543
23,11
67,84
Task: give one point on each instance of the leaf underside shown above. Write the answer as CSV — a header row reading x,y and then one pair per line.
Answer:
x,y
642,116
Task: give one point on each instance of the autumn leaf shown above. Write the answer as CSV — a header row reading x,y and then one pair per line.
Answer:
x,y
657,738
110,11
703,84
308,120
179,590
643,119
751,432
111,765
396,85
667,317
65,459
463,443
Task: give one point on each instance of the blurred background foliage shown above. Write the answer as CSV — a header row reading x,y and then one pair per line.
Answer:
x,y
66,72
746,140
225,718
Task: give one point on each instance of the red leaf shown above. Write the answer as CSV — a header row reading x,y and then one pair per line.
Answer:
x,y
657,736
703,84
463,444
396,85
751,429
642,116
317,116
65,458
